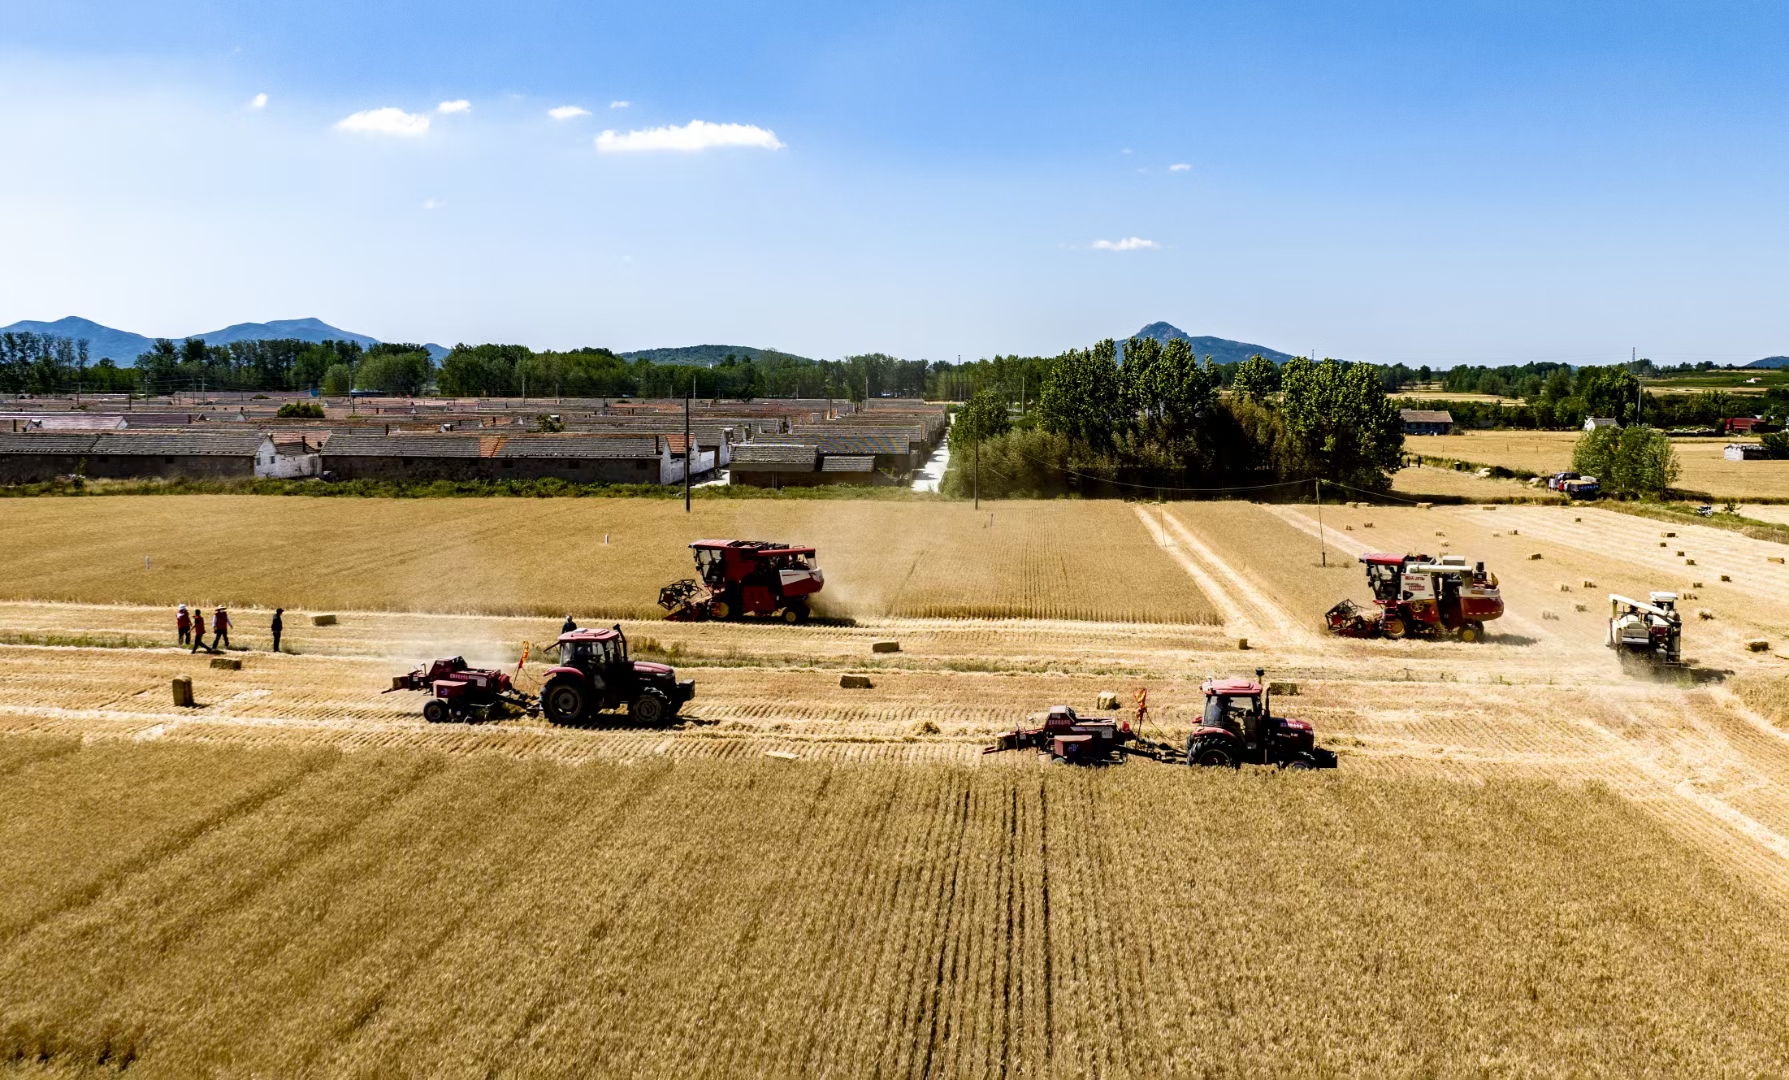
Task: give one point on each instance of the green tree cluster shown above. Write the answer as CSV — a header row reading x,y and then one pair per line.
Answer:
x,y
1156,421
1630,461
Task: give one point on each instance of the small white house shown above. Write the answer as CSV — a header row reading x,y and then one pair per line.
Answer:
x,y
287,458
1591,423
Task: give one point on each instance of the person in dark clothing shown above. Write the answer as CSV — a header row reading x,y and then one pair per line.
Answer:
x,y
278,625
569,626
220,626
184,623
198,629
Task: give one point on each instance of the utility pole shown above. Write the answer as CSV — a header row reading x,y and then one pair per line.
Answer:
x,y
978,472
1322,551
688,458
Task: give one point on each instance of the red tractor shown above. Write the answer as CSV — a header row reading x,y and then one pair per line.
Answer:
x,y
745,577
595,675
1239,728
458,692
1421,597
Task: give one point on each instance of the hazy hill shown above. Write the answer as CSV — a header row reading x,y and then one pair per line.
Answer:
x,y
1221,350
124,347
1771,362
701,355
102,341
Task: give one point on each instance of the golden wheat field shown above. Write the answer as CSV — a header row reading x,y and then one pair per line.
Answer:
x,y
1704,470
277,912
1530,861
604,558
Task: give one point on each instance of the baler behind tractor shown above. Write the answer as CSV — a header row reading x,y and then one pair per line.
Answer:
x,y
458,692
1417,596
1237,728
744,577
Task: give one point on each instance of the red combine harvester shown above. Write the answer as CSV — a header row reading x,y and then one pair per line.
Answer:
x,y
744,577
458,692
1421,597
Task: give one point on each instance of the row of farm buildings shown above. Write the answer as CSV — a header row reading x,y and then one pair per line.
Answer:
x,y
772,443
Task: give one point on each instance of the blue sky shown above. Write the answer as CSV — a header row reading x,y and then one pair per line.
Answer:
x,y
1490,182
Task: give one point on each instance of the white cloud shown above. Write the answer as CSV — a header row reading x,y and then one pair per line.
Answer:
x,y
1180,167
566,112
619,104
1129,243
695,135
461,105
386,121
433,204
259,101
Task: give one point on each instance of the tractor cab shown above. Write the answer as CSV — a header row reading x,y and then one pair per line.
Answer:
x,y
1238,727
587,649
1384,573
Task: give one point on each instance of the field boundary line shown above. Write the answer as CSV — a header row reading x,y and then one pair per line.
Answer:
x,y
1323,533
1233,614
1268,614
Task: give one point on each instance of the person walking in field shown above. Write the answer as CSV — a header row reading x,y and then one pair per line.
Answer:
x,y
220,627
569,626
278,625
183,622
198,629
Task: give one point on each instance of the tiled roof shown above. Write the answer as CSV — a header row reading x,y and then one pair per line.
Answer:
x,y
625,447
784,457
355,444
852,463
46,442
185,443
1425,416
862,444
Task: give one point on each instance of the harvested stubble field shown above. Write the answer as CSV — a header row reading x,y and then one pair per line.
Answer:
x,y
280,912
1528,863
1015,560
1704,469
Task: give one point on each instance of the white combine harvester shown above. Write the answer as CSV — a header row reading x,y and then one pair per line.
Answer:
x,y
1649,630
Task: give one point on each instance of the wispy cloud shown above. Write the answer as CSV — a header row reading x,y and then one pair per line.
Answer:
x,y
1129,243
259,101
460,105
433,204
695,135
387,121
1179,167
618,104
566,112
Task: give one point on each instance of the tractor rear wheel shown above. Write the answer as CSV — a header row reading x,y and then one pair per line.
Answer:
x,y
435,711
565,701
796,612
1473,631
719,610
1301,761
651,708
1211,753
1392,627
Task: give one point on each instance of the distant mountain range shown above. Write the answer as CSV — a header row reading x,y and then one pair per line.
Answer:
x,y
702,355
1221,350
124,347
1771,362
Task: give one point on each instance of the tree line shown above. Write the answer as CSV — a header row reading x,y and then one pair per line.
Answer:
x,y
1157,424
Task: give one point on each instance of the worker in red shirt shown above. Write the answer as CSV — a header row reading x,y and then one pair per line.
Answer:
x,y
220,626
184,623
